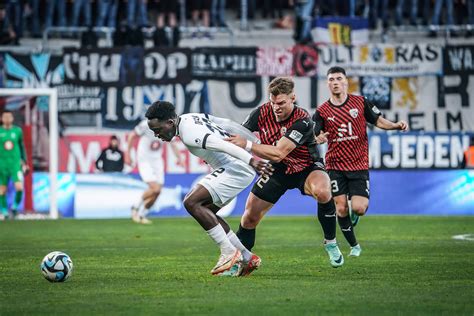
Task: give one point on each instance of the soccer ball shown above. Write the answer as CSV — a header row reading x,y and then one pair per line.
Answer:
x,y
56,266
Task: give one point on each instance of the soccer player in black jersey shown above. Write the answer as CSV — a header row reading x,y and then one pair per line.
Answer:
x,y
287,139
341,121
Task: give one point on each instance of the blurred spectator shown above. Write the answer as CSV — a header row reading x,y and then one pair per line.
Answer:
x,y
437,14
378,10
304,19
107,13
7,34
137,13
111,158
470,17
218,13
32,12
468,157
271,7
58,7
200,8
413,12
85,7
15,16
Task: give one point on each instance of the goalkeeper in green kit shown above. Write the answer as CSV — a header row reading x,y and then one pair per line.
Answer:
x,y
12,162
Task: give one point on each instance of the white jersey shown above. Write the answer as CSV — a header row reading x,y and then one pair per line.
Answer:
x,y
204,139
149,147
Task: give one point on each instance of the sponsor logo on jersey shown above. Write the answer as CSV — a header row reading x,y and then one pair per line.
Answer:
x,y
197,141
296,136
376,110
8,145
354,112
332,118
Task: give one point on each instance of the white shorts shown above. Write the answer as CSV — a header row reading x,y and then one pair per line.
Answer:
x,y
226,182
152,170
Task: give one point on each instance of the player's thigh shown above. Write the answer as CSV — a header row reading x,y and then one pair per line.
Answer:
x,y
359,183
4,178
151,171
227,182
317,185
339,183
271,188
199,195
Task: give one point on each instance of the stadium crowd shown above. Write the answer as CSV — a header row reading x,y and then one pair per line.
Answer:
x,y
29,18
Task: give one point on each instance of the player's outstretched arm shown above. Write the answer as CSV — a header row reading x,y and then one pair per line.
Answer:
x,y
389,125
274,153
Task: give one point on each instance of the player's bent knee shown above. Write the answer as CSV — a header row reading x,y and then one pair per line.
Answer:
x,y
250,220
322,195
359,209
342,211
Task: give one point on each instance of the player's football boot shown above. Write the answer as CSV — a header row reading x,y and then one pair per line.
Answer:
x,y
355,251
335,256
144,220
253,264
234,271
226,262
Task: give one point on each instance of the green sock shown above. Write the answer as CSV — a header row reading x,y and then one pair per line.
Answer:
x,y
18,196
3,204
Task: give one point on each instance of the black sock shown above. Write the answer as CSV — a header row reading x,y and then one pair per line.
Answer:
x,y
247,237
327,219
347,229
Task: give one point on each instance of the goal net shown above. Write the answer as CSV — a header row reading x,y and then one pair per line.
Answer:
x,y
35,111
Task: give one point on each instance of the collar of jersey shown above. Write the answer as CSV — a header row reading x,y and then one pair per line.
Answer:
x,y
340,105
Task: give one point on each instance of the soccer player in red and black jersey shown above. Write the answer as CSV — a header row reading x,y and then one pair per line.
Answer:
x,y
287,139
341,121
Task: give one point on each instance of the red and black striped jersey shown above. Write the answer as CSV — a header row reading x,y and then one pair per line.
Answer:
x,y
348,146
298,128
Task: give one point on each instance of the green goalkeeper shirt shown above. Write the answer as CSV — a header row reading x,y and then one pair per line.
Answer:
x,y
12,149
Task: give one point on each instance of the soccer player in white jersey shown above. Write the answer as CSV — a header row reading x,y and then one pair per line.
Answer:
x,y
150,166
233,170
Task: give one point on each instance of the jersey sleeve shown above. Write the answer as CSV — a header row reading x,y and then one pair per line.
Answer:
x,y
234,128
251,122
141,128
318,123
300,131
371,112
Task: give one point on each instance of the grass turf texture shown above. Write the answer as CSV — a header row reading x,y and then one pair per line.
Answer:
x,y
409,265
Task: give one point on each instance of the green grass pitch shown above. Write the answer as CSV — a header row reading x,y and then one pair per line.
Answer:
x,y
409,265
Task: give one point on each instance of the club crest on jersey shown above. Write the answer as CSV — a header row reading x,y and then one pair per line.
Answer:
x,y
8,145
197,141
354,112
283,131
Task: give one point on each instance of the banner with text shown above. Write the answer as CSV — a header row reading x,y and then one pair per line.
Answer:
x,y
129,66
390,60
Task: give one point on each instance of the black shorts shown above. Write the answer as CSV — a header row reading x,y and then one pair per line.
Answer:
x,y
350,182
167,6
270,189
195,5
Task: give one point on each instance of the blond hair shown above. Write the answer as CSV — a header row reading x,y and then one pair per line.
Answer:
x,y
281,85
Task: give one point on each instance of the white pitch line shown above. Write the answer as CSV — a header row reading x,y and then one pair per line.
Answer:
x,y
469,237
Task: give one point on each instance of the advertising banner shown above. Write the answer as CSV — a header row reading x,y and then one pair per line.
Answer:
x,y
224,63
130,66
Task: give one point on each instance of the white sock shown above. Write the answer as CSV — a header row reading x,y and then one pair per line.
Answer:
x,y
332,241
143,211
139,204
246,254
217,233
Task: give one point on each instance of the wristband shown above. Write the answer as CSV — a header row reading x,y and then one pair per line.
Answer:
x,y
249,145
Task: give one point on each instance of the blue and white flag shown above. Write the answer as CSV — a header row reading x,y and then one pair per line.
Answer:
x,y
341,30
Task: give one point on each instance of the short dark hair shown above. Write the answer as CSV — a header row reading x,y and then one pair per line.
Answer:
x,y
114,137
281,85
7,111
335,70
161,110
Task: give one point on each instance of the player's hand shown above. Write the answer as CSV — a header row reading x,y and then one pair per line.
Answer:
x,y
322,138
402,125
262,167
25,168
237,140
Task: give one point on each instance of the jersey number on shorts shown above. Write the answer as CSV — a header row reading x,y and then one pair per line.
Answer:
x,y
217,172
335,187
263,179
